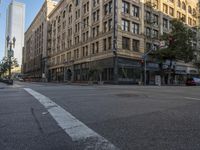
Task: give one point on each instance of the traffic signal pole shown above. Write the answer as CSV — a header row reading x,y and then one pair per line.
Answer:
x,y
145,64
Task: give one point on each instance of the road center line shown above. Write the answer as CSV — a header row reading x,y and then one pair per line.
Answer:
x,y
192,98
77,130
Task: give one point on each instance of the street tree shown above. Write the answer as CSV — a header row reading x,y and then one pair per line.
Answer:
x,y
197,64
179,46
5,63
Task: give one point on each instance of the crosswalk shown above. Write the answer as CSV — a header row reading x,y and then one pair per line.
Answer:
x,y
78,131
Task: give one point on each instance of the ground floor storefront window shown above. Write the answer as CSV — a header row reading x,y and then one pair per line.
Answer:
x,y
131,75
57,74
101,70
107,74
130,71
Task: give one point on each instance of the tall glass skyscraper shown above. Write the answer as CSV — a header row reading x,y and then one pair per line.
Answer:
x,y
15,26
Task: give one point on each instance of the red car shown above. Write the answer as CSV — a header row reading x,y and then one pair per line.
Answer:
x,y
191,82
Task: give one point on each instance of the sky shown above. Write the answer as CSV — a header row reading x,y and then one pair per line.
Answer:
x,y
32,7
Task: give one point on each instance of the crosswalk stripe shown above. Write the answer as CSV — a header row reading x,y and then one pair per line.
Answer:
x,y
192,98
77,130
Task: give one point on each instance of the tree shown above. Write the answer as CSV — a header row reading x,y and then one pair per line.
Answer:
x,y
179,45
197,64
4,65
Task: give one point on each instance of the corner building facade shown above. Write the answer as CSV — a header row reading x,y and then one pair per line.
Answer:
x,y
80,39
110,36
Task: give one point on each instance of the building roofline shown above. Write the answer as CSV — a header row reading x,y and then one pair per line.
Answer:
x,y
35,17
45,3
15,2
57,6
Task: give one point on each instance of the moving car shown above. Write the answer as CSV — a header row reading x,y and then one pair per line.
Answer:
x,y
193,81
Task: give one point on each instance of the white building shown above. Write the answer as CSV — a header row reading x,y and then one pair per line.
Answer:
x,y
15,26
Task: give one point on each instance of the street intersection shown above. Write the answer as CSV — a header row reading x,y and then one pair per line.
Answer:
x,y
50,116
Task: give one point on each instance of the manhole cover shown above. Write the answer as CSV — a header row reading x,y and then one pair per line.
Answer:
x,y
128,95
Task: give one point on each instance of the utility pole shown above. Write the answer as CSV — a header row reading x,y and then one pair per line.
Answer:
x,y
114,46
10,45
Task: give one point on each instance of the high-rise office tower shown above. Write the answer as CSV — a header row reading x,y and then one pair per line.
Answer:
x,y
15,26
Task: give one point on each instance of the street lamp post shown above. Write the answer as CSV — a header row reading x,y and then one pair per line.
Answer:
x,y
10,45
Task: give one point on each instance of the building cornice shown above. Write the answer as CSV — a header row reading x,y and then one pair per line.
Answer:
x,y
56,8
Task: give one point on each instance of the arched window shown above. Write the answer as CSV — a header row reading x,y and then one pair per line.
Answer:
x,y
77,2
194,12
179,3
190,9
54,23
59,19
183,6
70,8
63,14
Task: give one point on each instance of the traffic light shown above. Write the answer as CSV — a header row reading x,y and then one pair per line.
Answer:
x,y
142,62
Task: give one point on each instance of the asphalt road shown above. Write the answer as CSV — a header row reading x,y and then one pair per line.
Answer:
x,y
48,116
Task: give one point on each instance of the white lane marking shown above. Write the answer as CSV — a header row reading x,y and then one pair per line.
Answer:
x,y
192,98
78,131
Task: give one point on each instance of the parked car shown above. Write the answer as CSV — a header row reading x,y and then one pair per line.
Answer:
x,y
193,81
20,79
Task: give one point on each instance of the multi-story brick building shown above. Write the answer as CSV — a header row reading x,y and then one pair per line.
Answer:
x,y
110,36
35,50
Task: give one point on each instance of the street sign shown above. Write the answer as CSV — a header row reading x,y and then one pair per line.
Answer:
x,y
163,45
